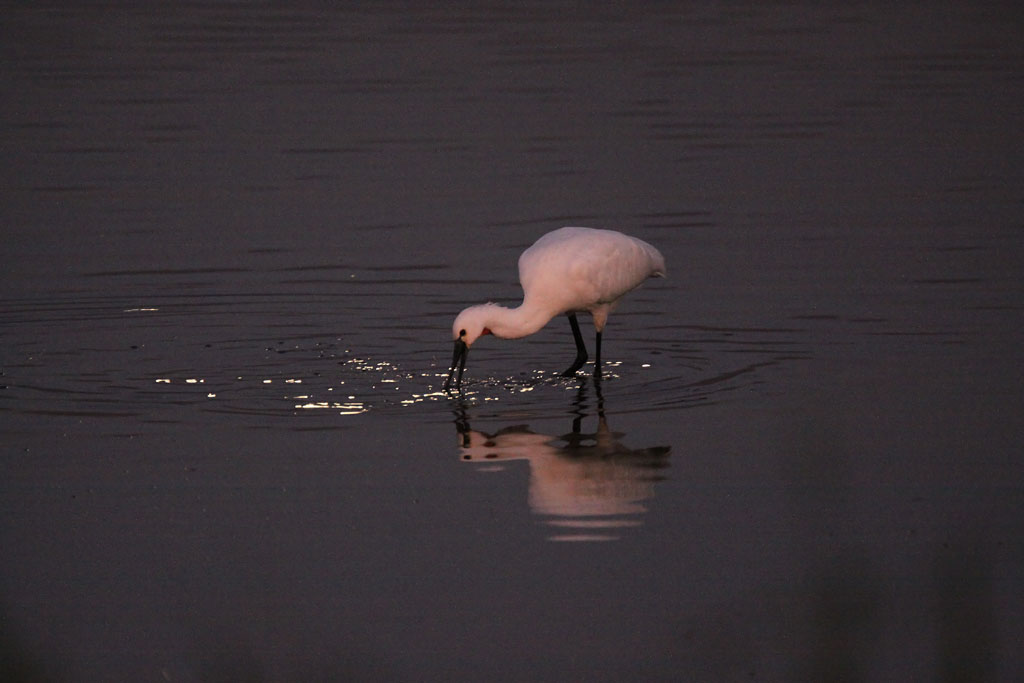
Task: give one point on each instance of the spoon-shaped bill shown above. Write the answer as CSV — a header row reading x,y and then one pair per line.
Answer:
x,y
459,360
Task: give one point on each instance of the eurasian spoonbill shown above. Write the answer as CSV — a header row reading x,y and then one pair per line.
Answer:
x,y
566,271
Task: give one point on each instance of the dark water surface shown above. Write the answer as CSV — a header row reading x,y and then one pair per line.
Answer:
x,y
236,235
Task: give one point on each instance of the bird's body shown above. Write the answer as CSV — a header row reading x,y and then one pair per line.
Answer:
x,y
583,269
566,271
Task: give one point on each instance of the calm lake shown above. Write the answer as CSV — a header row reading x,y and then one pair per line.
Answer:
x,y
236,236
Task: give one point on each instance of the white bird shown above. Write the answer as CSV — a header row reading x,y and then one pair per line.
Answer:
x,y
566,271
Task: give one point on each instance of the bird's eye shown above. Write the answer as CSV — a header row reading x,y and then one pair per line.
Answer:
x,y
462,333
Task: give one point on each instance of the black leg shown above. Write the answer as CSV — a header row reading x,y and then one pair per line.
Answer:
x,y
597,357
581,349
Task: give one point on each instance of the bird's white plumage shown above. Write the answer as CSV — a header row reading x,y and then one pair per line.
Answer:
x,y
585,269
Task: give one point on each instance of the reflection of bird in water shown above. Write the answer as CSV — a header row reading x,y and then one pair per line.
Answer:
x,y
565,271
583,481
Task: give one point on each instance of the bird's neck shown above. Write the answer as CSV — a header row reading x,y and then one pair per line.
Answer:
x,y
512,323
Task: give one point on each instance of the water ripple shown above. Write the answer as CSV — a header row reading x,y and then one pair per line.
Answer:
x,y
159,355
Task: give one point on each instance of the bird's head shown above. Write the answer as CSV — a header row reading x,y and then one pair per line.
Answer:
x,y
472,323
469,326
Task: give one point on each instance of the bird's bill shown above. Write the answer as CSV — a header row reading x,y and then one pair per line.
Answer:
x,y
458,360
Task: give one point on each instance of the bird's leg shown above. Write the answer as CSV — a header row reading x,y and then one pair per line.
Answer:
x,y
597,356
581,349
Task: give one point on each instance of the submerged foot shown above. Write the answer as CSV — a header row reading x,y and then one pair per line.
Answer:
x,y
576,365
